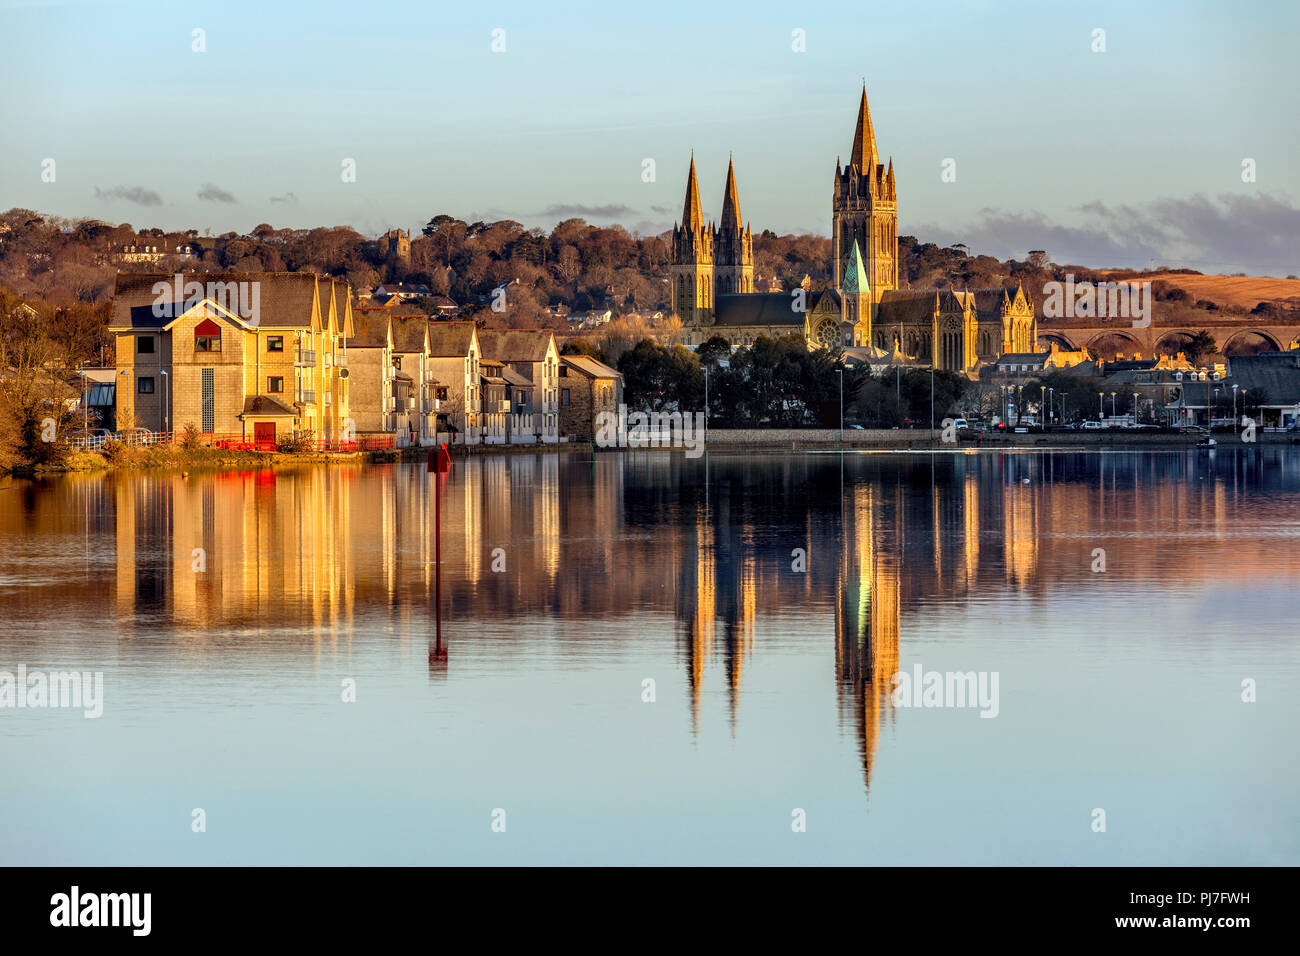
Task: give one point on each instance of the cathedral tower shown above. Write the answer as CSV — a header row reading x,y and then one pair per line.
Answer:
x,y
865,210
692,262
733,243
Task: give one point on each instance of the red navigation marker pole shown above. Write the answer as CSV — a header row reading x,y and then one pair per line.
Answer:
x,y
439,465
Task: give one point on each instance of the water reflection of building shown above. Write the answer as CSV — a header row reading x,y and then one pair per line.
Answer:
x,y
599,547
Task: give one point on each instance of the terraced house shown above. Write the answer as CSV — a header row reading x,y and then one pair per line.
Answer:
x,y
258,356
453,360
531,379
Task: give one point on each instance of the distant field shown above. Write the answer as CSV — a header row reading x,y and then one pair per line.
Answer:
x,y
1246,291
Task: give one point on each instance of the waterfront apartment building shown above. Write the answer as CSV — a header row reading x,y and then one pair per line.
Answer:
x,y
453,360
370,369
416,383
587,388
532,354
260,356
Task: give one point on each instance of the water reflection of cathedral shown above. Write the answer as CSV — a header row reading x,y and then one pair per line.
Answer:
x,y
314,554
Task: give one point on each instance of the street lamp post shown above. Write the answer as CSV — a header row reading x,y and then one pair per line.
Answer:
x,y
1101,397
1020,402
1135,408
1112,404
931,403
1051,405
1234,403
840,373
706,404
1042,400
165,416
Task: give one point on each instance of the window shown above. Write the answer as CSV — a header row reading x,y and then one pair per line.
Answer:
x,y
144,345
397,362
564,396
145,386
564,371
275,343
442,393
207,337
275,384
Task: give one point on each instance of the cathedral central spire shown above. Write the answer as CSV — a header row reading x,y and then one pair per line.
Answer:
x,y
731,221
692,218
864,154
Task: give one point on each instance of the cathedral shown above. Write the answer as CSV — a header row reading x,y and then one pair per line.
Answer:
x,y
862,310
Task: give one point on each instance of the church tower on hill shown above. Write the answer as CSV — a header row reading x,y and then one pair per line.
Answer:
x,y
865,210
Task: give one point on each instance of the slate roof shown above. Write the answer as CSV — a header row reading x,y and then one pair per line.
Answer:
x,y
1274,374
756,308
370,330
590,367
284,298
515,345
409,332
450,339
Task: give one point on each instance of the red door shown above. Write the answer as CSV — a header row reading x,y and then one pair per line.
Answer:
x,y
264,436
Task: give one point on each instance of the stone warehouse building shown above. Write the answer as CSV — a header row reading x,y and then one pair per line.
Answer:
x,y
713,292
259,356
588,388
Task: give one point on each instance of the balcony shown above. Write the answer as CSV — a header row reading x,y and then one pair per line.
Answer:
x,y
431,405
306,358
329,399
390,404
306,397
341,360
429,377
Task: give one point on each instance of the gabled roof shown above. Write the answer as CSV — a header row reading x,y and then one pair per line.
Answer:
x,y
409,333
284,298
907,306
758,308
370,330
514,378
590,367
450,339
515,345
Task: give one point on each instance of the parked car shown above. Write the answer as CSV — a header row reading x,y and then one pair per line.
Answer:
x,y
960,423
1193,430
1091,426
89,437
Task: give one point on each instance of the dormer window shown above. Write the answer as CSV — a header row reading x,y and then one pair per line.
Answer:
x,y
207,337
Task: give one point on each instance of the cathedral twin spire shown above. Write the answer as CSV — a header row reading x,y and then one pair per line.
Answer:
x,y
693,219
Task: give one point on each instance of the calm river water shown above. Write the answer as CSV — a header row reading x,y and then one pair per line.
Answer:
x,y
648,659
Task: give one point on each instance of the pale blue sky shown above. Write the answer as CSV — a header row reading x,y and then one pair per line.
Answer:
x,y
1097,157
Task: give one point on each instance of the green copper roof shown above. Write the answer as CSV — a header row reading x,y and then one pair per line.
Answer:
x,y
855,277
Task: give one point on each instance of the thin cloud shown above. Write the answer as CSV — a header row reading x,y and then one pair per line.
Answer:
x,y
133,194
1257,234
287,197
569,210
211,193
